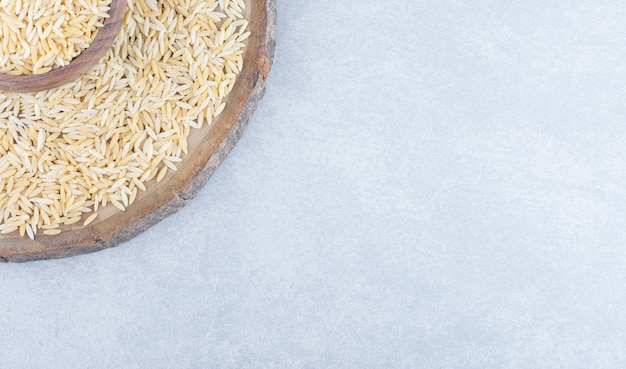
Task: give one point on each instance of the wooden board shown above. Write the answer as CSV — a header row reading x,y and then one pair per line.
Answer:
x,y
208,147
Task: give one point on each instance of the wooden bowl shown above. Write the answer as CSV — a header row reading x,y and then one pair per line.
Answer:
x,y
208,147
79,65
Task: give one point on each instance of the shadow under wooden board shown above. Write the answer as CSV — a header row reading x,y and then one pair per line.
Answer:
x,y
208,147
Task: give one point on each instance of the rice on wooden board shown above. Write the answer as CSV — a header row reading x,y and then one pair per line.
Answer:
x,y
66,152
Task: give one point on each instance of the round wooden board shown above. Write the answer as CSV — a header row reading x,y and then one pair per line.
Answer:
x,y
208,147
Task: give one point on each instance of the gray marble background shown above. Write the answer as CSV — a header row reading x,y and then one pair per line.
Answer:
x,y
427,184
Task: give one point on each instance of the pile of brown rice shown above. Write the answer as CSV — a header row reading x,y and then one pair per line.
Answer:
x,y
37,36
66,152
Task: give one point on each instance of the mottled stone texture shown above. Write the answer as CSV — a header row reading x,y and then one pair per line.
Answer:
x,y
427,184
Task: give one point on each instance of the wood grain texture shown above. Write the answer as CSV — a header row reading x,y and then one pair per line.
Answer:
x,y
208,147
79,65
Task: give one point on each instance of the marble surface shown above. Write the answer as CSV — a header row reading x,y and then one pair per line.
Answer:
x,y
427,184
